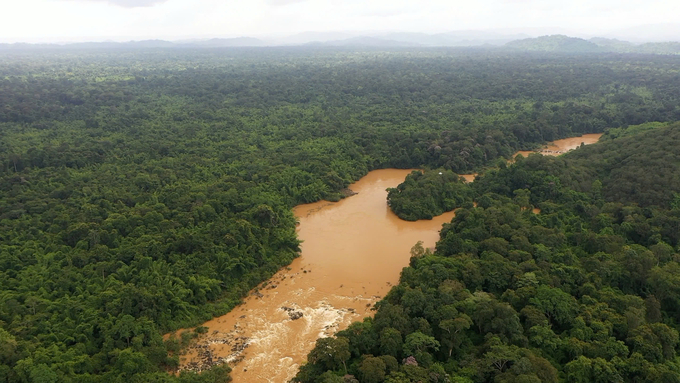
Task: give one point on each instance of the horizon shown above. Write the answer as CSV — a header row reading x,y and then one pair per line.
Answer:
x,y
72,21
467,37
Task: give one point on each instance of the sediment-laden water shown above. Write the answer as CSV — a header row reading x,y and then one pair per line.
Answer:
x,y
352,253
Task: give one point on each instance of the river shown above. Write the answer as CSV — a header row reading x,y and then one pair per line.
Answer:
x,y
562,146
352,253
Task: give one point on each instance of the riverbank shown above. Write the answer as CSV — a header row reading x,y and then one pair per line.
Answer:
x,y
352,253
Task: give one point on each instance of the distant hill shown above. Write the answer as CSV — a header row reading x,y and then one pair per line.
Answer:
x,y
129,44
485,39
233,42
454,39
311,37
365,41
555,43
613,44
566,44
667,48
447,39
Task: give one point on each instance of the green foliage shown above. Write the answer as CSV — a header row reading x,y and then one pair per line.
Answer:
x,y
331,353
631,130
429,194
585,291
146,191
372,370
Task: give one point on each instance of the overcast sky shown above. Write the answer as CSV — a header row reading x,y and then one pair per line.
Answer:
x,y
96,20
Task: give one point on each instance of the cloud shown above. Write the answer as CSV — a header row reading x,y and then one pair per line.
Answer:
x,y
284,2
130,3
385,13
123,20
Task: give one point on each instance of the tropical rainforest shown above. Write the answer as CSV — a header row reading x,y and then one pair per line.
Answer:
x,y
424,195
584,291
143,191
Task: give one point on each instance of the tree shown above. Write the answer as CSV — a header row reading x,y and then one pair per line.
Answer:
x,y
361,337
585,370
372,370
454,330
8,345
500,355
43,374
558,306
655,341
130,363
391,342
330,353
330,377
418,345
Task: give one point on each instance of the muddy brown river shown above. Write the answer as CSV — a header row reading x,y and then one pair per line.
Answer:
x,y
558,147
352,253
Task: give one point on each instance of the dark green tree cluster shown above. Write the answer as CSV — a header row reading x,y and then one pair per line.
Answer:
x,y
585,291
643,169
630,130
424,195
144,191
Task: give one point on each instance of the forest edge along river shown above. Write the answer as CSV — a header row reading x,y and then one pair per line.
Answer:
x,y
352,253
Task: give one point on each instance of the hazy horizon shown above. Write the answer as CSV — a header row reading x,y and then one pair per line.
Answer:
x,y
64,21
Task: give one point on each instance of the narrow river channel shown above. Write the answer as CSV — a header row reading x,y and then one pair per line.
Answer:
x,y
352,253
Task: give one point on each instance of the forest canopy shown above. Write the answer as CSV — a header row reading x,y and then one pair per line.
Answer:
x,y
424,195
149,190
584,291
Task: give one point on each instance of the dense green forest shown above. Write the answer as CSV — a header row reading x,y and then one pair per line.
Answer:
x,y
564,44
585,291
429,193
145,191
630,130
424,195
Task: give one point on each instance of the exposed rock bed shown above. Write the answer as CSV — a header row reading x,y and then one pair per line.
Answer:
x,y
293,314
205,357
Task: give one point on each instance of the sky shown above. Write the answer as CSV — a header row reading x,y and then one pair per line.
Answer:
x,y
124,20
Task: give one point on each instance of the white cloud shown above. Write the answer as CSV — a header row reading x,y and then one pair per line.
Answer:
x,y
285,2
130,3
59,20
